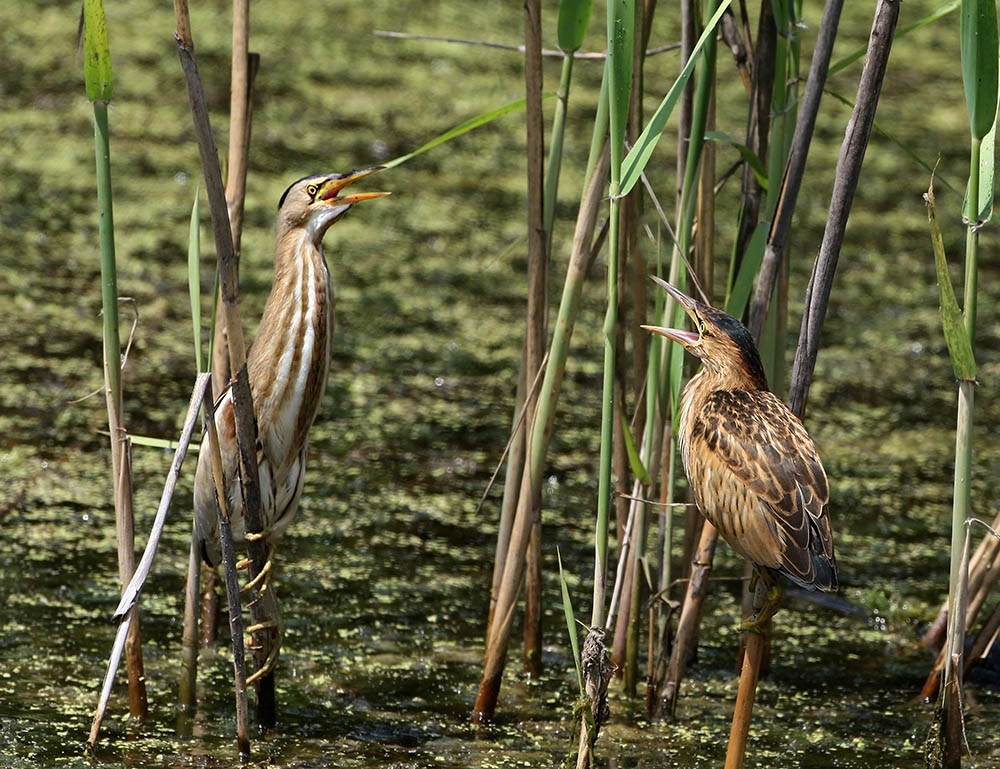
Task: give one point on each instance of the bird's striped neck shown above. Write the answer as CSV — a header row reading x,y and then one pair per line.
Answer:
x,y
290,357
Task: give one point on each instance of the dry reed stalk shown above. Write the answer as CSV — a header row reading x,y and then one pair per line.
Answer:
x,y
535,326
126,611
246,427
232,584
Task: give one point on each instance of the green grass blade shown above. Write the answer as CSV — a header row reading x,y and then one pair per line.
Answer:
x,y
859,53
621,37
574,638
161,443
912,153
952,323
743,285
979,63
462,128
96,52
574,18
194,278
636,160
638,468
755,163
211,323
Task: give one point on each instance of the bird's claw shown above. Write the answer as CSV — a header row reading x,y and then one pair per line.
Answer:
x,y
263,577
761,621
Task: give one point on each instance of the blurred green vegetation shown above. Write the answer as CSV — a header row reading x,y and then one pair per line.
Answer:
x,y
385,576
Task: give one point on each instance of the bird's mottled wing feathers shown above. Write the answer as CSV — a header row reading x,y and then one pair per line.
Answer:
x,y
755,436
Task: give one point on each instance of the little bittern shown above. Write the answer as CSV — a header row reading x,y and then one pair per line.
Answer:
x,y
751,465
287,365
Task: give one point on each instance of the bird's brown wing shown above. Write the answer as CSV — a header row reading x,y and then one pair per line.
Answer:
x,y
768,449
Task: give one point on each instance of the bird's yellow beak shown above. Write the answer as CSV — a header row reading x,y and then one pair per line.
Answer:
x,y
684,338
330,192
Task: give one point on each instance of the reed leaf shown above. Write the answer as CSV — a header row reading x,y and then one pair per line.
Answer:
x,y
858,53
574,18
97,74
636,160
906,148
463,128
979,63
755,163
621,38
736,303
194,277
952,323
634,460
574,638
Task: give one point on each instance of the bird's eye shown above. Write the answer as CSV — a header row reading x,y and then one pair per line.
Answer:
x,y
702,327
312,189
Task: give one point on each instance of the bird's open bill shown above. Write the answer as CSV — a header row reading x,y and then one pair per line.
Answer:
x,y
685,338
330,194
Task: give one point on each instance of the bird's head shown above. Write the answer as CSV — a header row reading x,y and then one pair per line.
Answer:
x,y
316,202
720,340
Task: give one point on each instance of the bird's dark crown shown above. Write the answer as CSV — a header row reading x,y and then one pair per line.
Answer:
x,y
281,200
739,335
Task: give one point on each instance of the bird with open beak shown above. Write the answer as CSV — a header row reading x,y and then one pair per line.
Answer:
x,y
753,469
287,364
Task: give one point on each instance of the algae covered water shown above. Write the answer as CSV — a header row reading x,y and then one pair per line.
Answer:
x,y
383,578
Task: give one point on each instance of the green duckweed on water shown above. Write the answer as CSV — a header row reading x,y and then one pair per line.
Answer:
x,y
383,578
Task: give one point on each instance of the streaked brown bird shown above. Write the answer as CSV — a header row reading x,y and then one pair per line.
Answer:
x,y
752,467
287,364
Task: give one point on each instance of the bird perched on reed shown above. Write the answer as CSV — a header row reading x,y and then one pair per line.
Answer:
x,y
752,467
287,365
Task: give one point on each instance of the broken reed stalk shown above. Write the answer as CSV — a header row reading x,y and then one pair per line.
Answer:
x,y
125,612
983,576
535,326
538,437
986,635
845,182
246,427
98,81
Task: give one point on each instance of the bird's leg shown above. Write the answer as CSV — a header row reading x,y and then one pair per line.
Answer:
x,y
760,622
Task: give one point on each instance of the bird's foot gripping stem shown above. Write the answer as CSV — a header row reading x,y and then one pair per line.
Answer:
x,y
761,621
264,609
272,658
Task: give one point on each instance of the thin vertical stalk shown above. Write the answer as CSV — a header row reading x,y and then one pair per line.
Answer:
x,y
556,146
535,327
262,605
852,153
512,482
98,81
232,585
621,33
795,168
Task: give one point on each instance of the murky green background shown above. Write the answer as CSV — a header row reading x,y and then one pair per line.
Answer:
x,y
384,577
